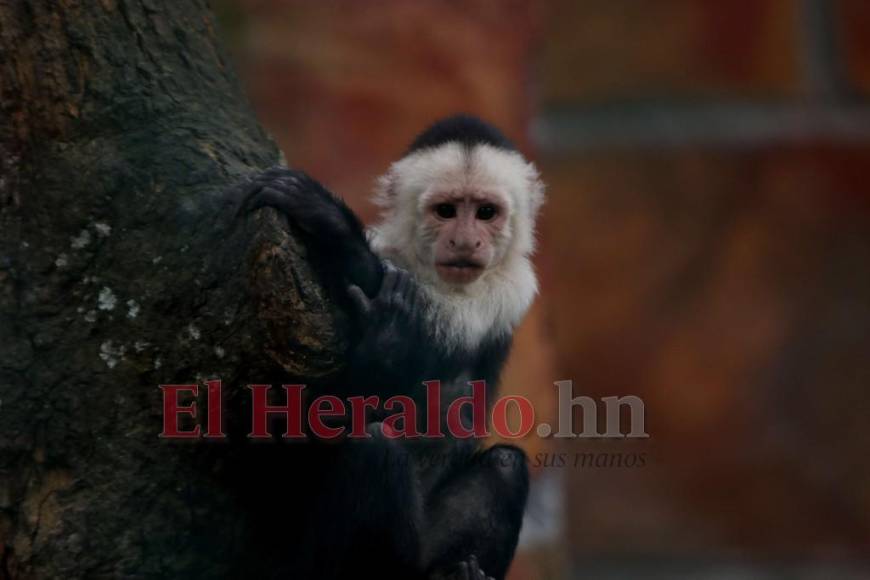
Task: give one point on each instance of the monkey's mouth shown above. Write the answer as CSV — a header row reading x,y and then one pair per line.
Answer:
x,y
459,271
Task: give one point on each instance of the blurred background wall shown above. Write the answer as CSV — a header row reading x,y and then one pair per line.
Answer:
x,y
705,245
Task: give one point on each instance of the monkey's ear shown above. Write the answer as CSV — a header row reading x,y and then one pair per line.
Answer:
x,y
385,190
536,189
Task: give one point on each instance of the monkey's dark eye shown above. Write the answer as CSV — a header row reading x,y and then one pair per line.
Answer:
x,y
445,210
486,212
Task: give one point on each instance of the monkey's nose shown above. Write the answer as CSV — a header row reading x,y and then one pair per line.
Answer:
x,y
464,245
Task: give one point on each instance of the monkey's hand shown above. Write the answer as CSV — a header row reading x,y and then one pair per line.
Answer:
x,y
466,570
389,345
330,230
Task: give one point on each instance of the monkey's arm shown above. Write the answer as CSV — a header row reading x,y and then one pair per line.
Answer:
x,y
331,231
389,352
393,353
476,513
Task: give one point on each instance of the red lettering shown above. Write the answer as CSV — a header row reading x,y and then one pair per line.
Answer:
x,y
171,411
261,410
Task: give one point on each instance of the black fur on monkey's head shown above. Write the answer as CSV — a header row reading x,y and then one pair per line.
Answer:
x,y
464,129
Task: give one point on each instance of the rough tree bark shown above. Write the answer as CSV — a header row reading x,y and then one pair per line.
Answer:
x,y
122,267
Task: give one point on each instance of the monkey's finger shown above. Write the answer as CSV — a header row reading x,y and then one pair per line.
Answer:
x,y
251,188
463,571
249,193
269,196
415,300
288,187
391,278
277,172
360,301
404,283
397,299
289,184
260,197
258,182
287,181
474,568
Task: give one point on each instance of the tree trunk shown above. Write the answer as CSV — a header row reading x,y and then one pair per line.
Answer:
x,y
123,134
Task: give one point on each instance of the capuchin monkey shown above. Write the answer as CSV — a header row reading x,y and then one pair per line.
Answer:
x,y
436,290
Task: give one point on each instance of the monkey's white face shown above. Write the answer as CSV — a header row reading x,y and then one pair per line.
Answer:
x,y
462,220
465,229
